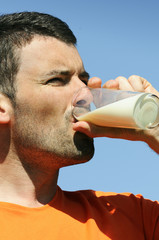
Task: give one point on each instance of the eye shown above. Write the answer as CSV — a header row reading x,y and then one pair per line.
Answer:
x,y
57,81
54,80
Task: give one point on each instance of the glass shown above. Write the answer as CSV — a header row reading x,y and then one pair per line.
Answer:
x,y
116,108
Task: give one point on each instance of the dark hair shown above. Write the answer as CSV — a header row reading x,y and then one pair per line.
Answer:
x,y
17,30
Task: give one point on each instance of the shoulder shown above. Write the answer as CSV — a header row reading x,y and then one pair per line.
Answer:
x,y
104,207
124,202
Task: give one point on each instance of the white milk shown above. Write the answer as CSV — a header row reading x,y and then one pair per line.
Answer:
x,y
139,111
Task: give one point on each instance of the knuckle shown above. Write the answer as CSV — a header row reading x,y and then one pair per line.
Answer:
x,y
120,78
133,78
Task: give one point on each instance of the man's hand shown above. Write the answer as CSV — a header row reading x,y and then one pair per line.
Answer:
x,y
133,83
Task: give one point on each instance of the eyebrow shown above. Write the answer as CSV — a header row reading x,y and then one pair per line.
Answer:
x,y
57,72
83,74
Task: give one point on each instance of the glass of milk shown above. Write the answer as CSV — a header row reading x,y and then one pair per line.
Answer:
x,y
116,108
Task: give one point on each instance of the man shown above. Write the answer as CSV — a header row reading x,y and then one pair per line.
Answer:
x,y
40,71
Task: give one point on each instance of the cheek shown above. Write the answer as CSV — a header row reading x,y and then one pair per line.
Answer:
x,y
52,107
56,102
53,113
45,104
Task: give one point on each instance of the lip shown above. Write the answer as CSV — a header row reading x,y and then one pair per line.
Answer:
x,y
74,120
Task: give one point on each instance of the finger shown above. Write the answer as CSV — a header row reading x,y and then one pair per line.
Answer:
x,y
124,84
89,129
148,87
149,136
136,83
94,131
111,84
95,82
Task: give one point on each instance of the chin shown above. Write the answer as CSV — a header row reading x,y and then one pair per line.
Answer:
x,y
76,160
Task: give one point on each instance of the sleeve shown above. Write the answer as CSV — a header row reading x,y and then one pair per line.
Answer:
x,y
150,215
141,212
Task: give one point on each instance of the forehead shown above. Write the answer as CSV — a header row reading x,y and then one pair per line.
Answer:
x,y
44,53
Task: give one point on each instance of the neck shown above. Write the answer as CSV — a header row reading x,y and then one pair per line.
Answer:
x,y
21,183
26,186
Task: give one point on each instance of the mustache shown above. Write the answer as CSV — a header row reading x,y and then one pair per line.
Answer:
x,y
69,115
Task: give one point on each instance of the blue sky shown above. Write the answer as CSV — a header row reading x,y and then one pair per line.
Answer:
x,y
114,38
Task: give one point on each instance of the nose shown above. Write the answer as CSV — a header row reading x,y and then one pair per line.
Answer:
x,y
83,96
78,84
81,101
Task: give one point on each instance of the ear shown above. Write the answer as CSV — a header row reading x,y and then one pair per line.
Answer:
x,y
6,109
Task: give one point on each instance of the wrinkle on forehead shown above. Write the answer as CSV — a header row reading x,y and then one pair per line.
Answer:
x,y
44,53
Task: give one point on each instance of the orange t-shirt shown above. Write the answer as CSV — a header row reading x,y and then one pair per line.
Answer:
x,y
82,215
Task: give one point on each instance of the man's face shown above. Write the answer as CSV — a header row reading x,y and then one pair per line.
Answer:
x,y
50,73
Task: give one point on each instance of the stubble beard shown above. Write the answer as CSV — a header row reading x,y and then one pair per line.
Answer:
x,y
52,146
